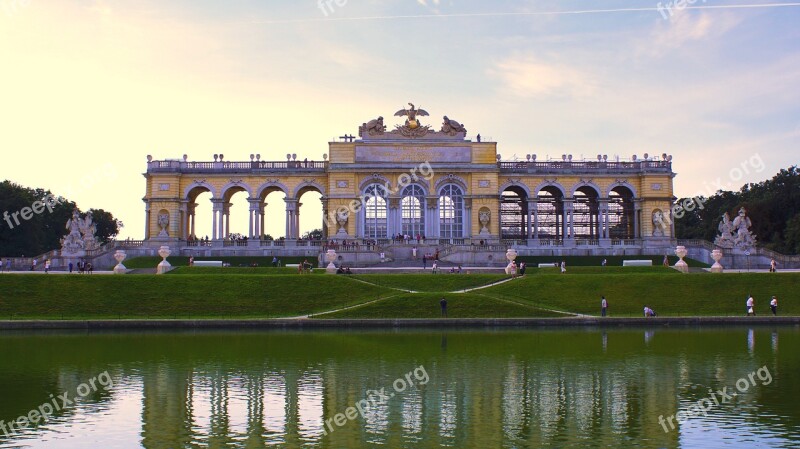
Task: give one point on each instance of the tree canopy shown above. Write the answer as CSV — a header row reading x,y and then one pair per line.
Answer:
x,y
772,205
34,233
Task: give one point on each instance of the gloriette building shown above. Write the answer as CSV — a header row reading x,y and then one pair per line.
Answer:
x,y
418,180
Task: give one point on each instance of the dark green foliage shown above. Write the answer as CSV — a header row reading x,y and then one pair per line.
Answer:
x,y
42,232
773,206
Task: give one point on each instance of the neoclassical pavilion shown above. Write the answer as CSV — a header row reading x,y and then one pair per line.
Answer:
x,y
416,180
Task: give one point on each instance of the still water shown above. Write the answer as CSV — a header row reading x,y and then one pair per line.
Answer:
x,y
402,389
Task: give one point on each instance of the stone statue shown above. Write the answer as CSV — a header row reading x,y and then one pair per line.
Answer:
x,y
744,238
342,215
412,113
660,228
163,223
373,127
81,235
484,217
73,242
726,237
452,127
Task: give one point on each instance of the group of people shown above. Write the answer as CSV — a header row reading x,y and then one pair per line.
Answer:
x,y
750,305
83,267
406,238
5,265
343,270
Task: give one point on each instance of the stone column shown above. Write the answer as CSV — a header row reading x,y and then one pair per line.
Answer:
x,y
296,232
637,215
192,209
467,231
254,217
227,212
291,206
533,219
216,218
147,221
183,224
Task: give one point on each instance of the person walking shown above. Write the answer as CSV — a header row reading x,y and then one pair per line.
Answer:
x,y
46,266
33,265
603,306
443,305
751,304
773,305
563,266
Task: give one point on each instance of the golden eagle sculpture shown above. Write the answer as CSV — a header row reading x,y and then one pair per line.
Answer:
x,y
411,113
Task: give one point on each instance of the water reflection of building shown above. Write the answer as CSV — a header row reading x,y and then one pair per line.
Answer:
x,y
514,402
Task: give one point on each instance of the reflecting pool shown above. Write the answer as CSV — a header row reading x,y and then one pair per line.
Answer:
x,y
627,388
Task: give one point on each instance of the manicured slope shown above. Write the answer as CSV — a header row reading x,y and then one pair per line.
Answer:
x,y
692,294
426,305
430,282
210,296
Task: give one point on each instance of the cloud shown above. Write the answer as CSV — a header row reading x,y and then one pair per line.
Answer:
x,y
688,26
529,77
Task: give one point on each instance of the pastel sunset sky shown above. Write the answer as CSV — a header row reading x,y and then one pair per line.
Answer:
x,y
89,88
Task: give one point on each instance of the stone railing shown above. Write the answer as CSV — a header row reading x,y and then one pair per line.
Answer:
x,y
539,167
233,167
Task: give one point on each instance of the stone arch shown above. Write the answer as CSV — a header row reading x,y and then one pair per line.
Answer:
x,y
589,184
223,192
554,184
451,179
202,184
268,187
619,183
307,186
374,179
509,184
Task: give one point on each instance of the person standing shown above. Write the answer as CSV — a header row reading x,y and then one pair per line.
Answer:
x,y
773,305
46,266
751,304
424,261
70,267
2,265
603,306
666,261
414,252
773,266
33,265
443,305
604,262
563,266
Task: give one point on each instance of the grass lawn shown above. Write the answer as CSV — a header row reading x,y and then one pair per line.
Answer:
x,y
669,295
426,305
206,296
430,282
202,292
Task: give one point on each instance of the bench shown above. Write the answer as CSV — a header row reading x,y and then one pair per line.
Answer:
x,y
637,263
208,263
549,265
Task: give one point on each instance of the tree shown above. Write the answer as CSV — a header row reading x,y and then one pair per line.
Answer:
x,y
108,227
315,234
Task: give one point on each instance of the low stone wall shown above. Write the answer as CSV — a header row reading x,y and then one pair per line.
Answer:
x,y
434,324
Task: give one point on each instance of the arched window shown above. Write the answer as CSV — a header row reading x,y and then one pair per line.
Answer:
x,y
451,212
413,210
375,222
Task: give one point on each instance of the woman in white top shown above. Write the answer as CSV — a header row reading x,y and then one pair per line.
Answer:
x,y
773,305
751,303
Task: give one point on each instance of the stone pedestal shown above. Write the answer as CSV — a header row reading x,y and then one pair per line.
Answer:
x,y
120,256
511,255
330,256
681,266
717,267
164,266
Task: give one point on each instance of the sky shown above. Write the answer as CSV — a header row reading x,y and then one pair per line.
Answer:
x,y
89,88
